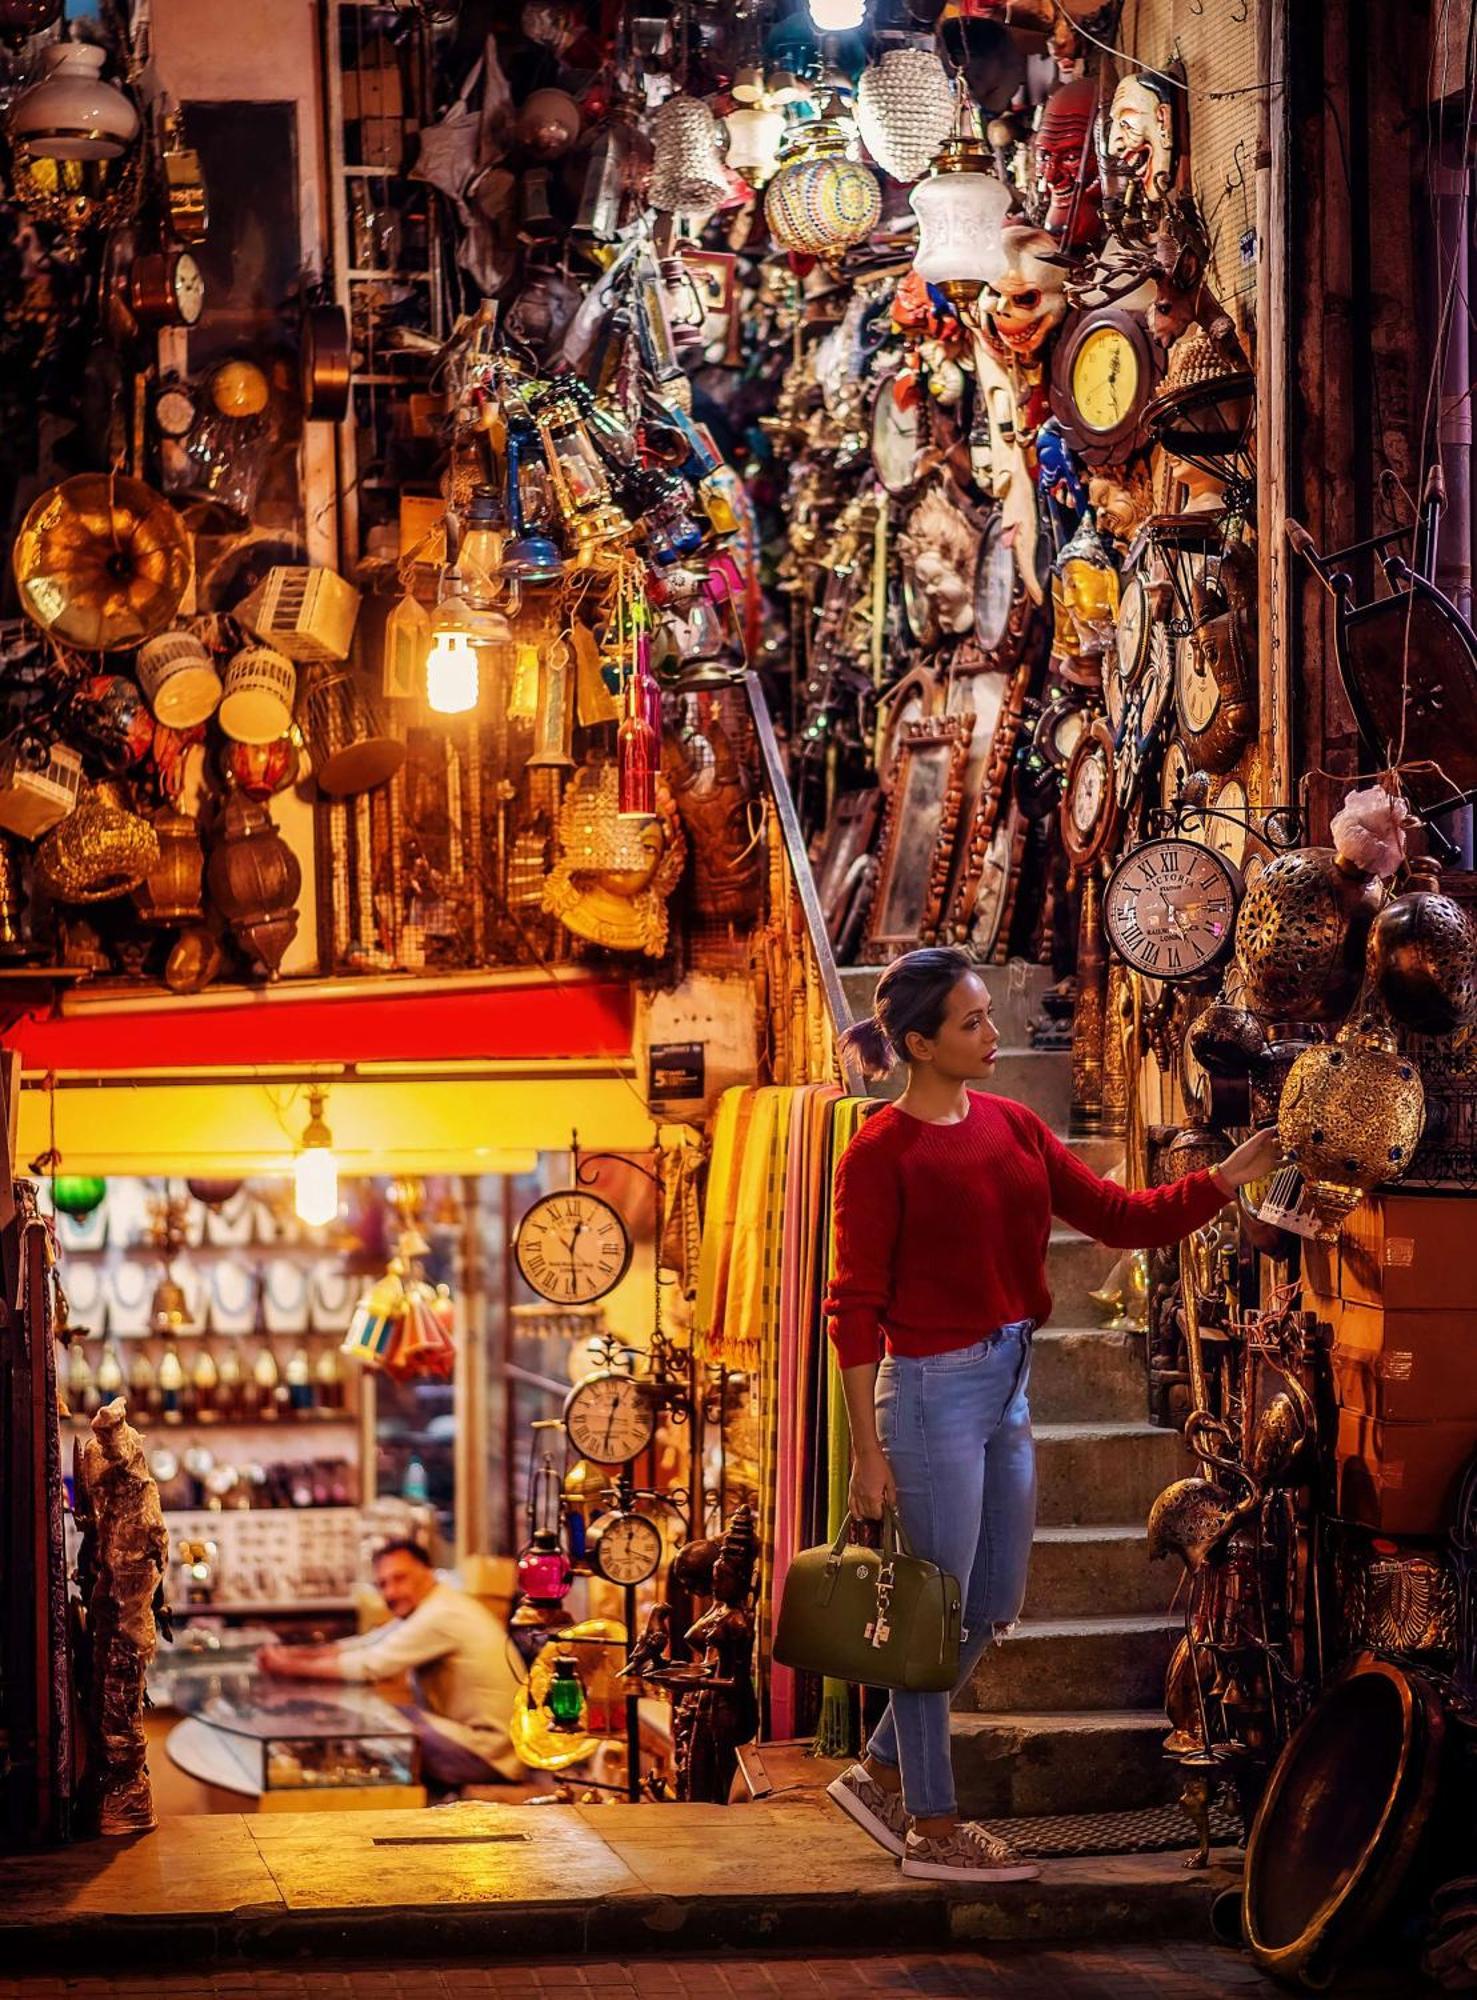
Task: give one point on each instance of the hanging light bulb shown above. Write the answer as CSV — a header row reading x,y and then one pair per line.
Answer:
x,y
315,1170
754,135
837,17
452,679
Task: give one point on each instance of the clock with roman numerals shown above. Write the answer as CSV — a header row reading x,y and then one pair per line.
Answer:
x,y
1170,908
572,1247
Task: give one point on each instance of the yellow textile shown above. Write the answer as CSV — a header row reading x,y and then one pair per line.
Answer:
x,y
719,1214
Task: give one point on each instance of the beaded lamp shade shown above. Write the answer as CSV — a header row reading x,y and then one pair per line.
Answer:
x,y
904,111
820,201
687,176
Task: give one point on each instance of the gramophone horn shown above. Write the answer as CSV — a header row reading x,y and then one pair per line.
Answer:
x,y
102,562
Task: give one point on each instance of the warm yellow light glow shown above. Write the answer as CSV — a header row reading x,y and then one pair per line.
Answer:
x,y
452,681
315,1170
837,17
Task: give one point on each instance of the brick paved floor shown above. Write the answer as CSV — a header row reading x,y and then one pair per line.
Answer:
x,y
1111,1972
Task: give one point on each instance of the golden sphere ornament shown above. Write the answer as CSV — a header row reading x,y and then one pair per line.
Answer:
x,y
1301,934
1351,1116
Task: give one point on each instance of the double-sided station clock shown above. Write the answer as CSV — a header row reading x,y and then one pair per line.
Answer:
x,y
572,1247
1170,906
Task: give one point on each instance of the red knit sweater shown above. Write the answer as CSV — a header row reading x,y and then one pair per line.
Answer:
x,y
941,1230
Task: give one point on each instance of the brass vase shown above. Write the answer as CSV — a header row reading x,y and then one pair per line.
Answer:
x,y
1351,1114
254,879
1301,935
1423,956
170,893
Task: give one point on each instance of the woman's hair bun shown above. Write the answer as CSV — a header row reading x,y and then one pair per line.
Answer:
x,y
867,1041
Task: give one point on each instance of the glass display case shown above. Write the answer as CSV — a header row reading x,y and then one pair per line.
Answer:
x,y
284,1738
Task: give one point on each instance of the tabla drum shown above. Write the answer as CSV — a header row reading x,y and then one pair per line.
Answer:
x,y
350,748
261,684
179,680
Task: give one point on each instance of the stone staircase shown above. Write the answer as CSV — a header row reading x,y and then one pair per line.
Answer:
x,y
1065,1715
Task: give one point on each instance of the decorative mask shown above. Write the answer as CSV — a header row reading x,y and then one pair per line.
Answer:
x,y
614,873
1088,593
1141,133
1067,164
939,550
1024,296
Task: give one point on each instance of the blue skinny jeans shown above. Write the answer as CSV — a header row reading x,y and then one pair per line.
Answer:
x,y
956,1429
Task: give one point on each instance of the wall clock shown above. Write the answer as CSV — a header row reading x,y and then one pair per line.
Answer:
x,y
1172,776
1135,626
610,1417
166,288
1169,908
1226,822
1103,372
1064,719
897,440
996,586
625,1548
572,1247
1213,722
174,407
1089,796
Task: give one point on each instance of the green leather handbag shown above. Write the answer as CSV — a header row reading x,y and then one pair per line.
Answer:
x,y
878,1617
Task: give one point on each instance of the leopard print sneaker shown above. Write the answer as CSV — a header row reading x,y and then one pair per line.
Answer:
x,y
879,1813
968,1854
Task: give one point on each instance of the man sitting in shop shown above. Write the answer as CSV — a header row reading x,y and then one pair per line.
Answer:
x,y
456,1653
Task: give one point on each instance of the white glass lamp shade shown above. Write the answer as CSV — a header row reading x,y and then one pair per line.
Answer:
x,y
72,114
315,1186
960,219
820,201
837,17
754,135
453,680
687,176
904,111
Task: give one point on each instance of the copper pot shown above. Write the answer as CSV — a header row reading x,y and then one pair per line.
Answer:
x,y
1301,933
1344,1810
170,893
254,879
1423,956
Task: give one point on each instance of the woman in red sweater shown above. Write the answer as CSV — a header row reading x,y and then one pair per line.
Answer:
x,y
944,1202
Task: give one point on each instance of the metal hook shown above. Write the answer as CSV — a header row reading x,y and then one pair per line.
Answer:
x,y
1241,11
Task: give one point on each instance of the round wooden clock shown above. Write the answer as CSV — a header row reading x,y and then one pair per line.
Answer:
x,y
897,440
1089,796
1102,374
625,1548
1169,908
610,1417
1134,630
1226,822
572,1247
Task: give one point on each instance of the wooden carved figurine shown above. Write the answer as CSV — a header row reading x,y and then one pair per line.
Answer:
x,y
715,1709
120,1567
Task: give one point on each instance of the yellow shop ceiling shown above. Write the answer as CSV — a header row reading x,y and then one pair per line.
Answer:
x,y
381,1124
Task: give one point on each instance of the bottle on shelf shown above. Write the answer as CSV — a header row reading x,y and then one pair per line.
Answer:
x,y
299,1381
205,1380
229,1385
171,1385
267,1380
328,1379
109,1374
143,1384
82,1398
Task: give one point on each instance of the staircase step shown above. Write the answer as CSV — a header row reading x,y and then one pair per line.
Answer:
x,y
1075,1268
1102,1155
1051,1664
1100,1471
1077,1572
1084,1374
1103,1760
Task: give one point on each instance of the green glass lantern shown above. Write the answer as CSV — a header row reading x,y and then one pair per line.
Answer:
x,y
565,1701
78,1194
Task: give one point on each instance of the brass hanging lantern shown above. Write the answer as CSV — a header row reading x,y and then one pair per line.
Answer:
x,y
1351,1114
170,892
1423,955
254,879
99,851
1301,934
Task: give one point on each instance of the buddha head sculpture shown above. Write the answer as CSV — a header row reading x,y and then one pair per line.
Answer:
x,y
1067,165
1024,297
1141,134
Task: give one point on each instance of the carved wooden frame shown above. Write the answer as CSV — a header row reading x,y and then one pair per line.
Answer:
x,y
951,734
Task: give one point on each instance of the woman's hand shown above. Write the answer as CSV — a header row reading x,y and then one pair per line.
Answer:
x,y
1252,1160
872,1485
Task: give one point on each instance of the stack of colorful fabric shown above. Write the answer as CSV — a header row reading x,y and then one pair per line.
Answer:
x,y
765,1264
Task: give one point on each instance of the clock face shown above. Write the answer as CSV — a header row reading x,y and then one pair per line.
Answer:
x,y
627,1548
993,892
572,1247
1197,693
1170,908
1135,621
610,1418
896,441
1066,724
1172,777
1106,379
174,411
1225,827
187,281
994,586
1089,790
